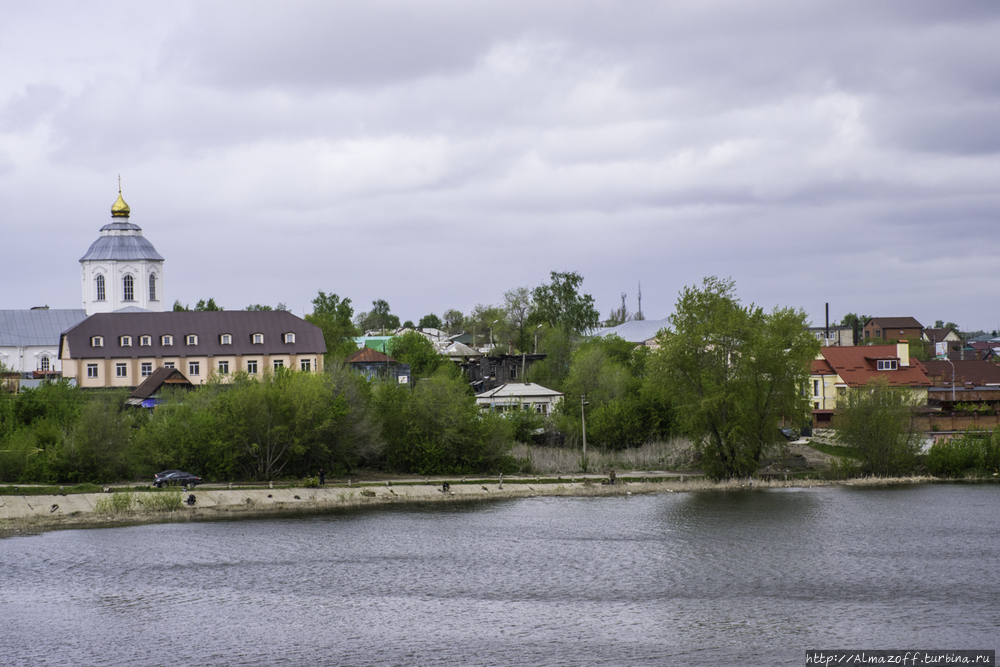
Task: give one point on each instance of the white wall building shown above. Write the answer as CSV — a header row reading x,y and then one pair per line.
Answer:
x,y
122,268
29,339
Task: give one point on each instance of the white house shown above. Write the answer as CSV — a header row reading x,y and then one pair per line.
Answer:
x,y
520,396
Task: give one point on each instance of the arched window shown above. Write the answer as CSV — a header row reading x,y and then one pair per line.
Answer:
x,y
43,363
100,287
129,293
152,287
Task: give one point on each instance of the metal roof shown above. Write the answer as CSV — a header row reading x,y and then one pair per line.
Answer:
x,y
635,331
118,247
207,326
36,327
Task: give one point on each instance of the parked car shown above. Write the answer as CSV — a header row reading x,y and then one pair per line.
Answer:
x,y
168,477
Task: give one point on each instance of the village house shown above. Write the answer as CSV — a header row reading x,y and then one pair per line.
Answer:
x,y
837,370
520,396
893,328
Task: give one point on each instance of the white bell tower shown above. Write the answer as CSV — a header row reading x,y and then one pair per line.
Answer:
x,y
122,268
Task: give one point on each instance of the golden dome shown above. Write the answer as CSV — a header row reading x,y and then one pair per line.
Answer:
x,y
120,209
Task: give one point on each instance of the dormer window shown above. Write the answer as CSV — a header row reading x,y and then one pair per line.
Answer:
x,y
226,339
97,341
166,341
125,341
191,339
887,364
258,339
289,338
145,341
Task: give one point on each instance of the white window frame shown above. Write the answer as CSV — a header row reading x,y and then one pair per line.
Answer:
x,y
97,341
224,367
92,371
305,365
278,363
887,365
146,369
168,364
152,287
121,370
125,341
289,338
99,284
257,338
166,340
252,367
44,364
226,339
194,368
145,341
128,287
191,339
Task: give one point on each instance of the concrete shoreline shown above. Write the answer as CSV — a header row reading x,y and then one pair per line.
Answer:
x,y
32,514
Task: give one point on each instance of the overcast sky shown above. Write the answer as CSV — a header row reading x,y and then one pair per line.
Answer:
x,y
437,154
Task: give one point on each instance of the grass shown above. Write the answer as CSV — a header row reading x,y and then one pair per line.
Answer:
x,y
675,454
19,490
125,502
835,450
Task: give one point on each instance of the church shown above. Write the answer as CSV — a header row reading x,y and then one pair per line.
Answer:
x,y
123,334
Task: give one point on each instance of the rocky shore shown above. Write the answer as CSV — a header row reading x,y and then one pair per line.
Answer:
x,y
35,513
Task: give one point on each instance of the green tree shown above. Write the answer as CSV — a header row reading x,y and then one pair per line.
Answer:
x,y
203,305
430,321
734,371
437,428
180,307
333,315
517,307
560,304
379,318
489,324
878,421
264,307
415,349
453,320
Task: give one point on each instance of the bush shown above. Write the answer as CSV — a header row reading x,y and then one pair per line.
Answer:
x,y
968,453
877,420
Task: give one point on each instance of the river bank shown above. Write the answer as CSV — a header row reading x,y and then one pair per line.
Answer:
x,y
31,514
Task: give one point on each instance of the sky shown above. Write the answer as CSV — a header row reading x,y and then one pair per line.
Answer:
x,y
438,154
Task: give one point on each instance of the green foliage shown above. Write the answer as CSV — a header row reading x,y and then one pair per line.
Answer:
x,y
489,322
209,305
430,321
733,371
877,420
551,372
437,429
379,318
624,409
969,454
418,351
560,304
517,308
453,320
264,307
333,315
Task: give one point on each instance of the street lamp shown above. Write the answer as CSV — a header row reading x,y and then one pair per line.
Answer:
x,y
583,418
491,333
536,337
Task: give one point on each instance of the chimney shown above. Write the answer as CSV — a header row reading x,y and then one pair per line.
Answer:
x,y
903,352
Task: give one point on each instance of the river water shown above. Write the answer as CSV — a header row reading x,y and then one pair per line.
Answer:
x,y
705,578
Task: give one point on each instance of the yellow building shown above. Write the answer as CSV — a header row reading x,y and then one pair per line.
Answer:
x,y
123,349
837,370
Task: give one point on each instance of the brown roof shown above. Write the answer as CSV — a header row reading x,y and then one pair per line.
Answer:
x,y
366,355
896,322
977,372
207,326
157,379
857,365
937,335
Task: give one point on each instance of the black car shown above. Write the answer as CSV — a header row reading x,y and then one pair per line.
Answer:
x,y
175,477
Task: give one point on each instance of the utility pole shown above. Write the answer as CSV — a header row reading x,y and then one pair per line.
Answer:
x,y
583,417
